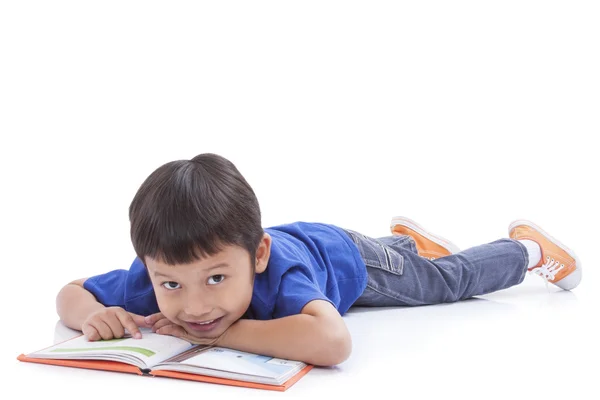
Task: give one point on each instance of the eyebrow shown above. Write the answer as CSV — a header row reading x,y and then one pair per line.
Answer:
x,y
223,264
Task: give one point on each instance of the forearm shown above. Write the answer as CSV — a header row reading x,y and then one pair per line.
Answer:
x,y
298,337
74,304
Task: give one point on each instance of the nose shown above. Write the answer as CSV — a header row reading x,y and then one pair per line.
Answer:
x,y
197,306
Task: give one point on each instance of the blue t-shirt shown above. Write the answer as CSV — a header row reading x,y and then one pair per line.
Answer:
x,y
308,261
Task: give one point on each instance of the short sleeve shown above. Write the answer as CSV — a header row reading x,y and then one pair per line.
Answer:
x,y
295,291
130,289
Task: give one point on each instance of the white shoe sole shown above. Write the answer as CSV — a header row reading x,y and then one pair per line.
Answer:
x,y
568,282
445,243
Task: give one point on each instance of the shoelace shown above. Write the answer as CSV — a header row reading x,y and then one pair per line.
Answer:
x,y
548,270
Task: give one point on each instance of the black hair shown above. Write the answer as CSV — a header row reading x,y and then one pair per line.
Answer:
x,y
188,209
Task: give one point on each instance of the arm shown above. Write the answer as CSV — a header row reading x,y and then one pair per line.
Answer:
x,y
78,309
317,336
74,304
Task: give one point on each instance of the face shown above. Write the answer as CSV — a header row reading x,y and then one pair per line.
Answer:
x,y
206,296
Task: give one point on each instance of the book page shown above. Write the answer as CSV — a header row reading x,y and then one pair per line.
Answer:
x,y
238,362
152,348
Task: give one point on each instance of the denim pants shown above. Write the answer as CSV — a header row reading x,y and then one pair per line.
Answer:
x,y
398,276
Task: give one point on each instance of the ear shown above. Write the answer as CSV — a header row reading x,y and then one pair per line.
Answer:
x,y
262,254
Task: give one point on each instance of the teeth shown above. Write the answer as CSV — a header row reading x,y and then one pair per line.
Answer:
x,y
205,323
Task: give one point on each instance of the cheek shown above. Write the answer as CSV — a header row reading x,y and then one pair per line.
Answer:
x,y
168,306
240,302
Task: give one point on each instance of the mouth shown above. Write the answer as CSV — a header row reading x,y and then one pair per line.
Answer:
x,y
204,326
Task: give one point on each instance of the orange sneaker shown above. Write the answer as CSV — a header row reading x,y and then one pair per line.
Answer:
x,y
559,264
428,245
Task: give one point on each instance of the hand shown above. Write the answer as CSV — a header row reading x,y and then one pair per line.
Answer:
x,y
161,325
110,323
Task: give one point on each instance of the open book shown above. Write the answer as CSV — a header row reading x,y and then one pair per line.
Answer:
x,y
168,356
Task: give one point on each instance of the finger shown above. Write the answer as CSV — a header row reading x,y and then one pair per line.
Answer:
x,y
173,330
103,329
90,333
152,319
128,322
160,324
139,320
115,325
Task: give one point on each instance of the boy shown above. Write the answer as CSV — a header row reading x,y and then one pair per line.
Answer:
x,y
206,270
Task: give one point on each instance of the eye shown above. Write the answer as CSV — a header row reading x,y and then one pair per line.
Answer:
x,y
215,279
171,285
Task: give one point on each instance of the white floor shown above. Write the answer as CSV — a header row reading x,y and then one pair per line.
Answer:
x,y
462,115
523,341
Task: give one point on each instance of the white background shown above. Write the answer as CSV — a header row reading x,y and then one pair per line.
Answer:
x,y
461,115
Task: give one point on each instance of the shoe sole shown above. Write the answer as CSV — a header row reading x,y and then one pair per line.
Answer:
x,y
568,282
452,248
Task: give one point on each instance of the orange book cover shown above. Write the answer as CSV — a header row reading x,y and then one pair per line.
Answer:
x,y
121,367
233,382
116,366
89,364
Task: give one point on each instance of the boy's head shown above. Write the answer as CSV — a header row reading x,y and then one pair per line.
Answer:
x,y
196,225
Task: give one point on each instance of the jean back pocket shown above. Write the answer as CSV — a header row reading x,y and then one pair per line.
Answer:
x,y
377,253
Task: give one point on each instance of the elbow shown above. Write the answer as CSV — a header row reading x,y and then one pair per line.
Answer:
x,y
63,292
342,348
65,296
336,349
62,300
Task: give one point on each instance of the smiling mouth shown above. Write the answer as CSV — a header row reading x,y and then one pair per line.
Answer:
x,y
205,325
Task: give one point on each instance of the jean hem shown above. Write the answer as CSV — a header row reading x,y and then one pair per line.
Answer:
x,y
525,257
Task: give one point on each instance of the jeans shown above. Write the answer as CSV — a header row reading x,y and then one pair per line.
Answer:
x,y
398,276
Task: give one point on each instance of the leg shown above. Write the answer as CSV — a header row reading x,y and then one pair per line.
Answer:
x,y
399,277
429,245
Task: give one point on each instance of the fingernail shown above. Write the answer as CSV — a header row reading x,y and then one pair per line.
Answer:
x,y
147,319
137,335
